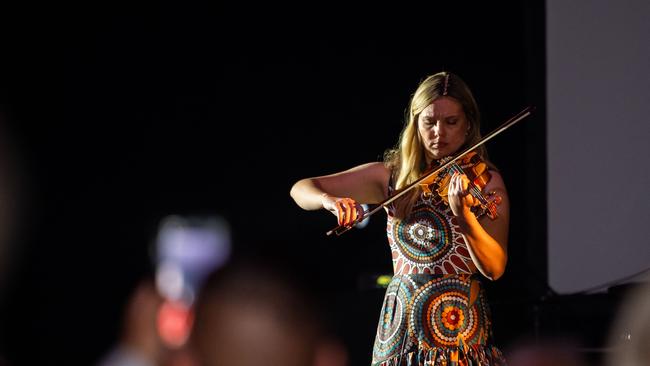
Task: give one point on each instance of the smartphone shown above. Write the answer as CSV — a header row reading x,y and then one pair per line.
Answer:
x,y
187,249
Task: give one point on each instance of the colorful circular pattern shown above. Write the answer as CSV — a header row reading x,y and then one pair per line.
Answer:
x,y
392,328
427,310
424,237
428,242
440,313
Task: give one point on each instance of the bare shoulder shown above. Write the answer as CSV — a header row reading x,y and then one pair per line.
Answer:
x,y
496,182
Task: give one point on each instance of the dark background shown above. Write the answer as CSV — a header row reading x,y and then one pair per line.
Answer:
x,y
122,113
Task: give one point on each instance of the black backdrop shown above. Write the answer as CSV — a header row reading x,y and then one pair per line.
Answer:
x,y
123,113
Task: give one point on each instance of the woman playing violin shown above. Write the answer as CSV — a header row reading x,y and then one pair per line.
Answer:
x,y
435,311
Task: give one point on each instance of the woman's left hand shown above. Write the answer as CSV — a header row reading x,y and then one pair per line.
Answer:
x,y
460,200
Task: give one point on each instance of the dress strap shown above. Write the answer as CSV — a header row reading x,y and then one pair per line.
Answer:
x,y
391,182
390,190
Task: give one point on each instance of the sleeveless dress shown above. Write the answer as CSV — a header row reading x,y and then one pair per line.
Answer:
x,y
435,311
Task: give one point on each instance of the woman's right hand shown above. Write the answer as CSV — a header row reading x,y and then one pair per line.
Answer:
x,y
346,210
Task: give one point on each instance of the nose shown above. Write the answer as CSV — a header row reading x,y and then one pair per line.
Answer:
x,y
437,128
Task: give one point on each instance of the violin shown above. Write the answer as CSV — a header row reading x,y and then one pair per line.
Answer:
x,y
478,175
436,186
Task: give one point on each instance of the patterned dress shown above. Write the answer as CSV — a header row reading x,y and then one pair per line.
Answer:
x,y
434,311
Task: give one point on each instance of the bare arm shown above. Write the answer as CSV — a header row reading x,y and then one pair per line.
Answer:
x,y
365,183
487,239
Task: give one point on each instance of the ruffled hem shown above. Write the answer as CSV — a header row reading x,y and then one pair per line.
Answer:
x,y
448,356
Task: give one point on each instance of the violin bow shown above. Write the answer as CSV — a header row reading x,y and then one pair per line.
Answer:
x,y
504,126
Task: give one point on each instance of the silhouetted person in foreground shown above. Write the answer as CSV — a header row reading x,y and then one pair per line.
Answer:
x,y
557,351
252,313
139,343
629,337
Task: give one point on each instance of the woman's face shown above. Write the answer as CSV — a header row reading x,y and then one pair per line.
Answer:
x,y
443,128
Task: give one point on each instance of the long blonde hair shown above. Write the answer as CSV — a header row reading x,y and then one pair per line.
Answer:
x,y
407,160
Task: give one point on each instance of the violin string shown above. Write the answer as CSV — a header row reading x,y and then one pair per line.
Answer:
x,y
473,189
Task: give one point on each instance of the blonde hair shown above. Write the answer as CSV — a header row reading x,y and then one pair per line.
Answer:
x,y
407,160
